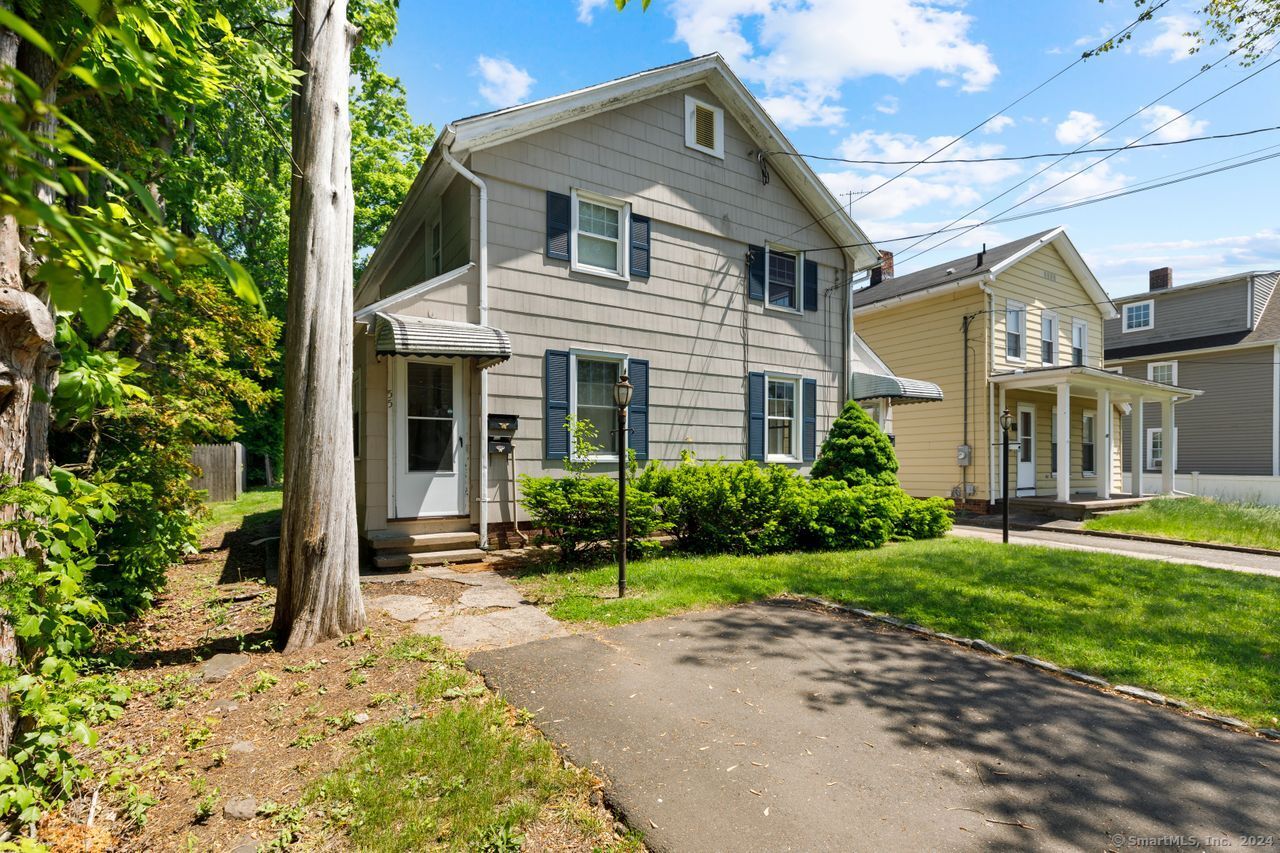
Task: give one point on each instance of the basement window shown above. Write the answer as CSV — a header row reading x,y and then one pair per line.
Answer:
x,y
703,127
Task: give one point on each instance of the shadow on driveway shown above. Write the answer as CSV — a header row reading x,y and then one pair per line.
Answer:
x,y
776,726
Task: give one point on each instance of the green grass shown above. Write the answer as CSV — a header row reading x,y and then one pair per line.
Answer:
x,y
1200,520
1206,636
253,502
457,779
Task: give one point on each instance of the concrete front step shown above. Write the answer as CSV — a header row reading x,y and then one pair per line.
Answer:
x,y
421,542
394,559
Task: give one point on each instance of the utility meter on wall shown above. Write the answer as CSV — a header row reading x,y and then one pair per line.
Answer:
x,y
964,455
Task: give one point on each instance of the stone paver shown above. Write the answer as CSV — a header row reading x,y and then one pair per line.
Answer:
x,y
774,727
1213,558
220,667
491,613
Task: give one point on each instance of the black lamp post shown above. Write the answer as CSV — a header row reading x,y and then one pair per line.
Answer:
x,y
1006,427
622,392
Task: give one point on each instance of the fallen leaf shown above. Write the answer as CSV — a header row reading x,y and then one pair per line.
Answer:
x,y
731,769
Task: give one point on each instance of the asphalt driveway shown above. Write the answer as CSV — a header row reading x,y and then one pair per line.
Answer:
x,y
777,726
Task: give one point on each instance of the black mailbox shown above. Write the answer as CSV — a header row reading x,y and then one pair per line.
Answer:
x,y
502,428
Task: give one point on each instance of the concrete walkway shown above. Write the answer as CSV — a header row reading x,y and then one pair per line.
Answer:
x,y
490,614
776,726
1213,558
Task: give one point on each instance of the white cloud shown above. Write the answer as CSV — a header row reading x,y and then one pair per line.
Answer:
x,y
504,83
1124,266
803,110
1172,40
887,105
1177,128
587,9
998,124
1078,127
1102,178
805,52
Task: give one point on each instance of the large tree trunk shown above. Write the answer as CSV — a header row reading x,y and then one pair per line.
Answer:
x,y
319,590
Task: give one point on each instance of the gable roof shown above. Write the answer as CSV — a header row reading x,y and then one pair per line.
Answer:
x,y
984,266
485,130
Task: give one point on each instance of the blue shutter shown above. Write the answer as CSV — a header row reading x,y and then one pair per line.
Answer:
x,y
809,419
556,382
755,416
559,222
755,273
640,230
638,414
810,285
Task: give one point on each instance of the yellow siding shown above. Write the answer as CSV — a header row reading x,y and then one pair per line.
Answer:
x,y
924,341
1043,282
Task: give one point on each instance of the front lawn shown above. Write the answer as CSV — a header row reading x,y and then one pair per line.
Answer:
x,y
258,501
1202,635
1198,519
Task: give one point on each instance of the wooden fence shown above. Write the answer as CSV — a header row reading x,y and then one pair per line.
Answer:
x,y
222,467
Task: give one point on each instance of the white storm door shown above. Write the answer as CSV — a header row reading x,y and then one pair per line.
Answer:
x,y
1026,449
429,473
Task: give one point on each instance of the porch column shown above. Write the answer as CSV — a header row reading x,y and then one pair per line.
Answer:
x,y
1064,442
1135,456
1102,424
1169,447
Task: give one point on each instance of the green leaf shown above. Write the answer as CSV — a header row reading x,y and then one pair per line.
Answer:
x,y
89,7
25,30
144,196
97,307
220,21
238,277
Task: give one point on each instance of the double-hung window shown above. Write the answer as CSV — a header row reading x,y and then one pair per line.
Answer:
x,y
1088,459
1049,338
782,418
1079,341
1015,331
437,249
782,278
1165,372
1155,447
599,235
1139,316
593,378
1053,441
357,407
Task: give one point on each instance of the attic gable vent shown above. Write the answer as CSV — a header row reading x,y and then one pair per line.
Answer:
x,y
703,127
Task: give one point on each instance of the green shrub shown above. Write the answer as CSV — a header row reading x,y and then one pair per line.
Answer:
x,y
926,518
857,451
579,514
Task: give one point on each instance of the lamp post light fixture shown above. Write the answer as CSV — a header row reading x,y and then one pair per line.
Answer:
x,y
1006,427
622,391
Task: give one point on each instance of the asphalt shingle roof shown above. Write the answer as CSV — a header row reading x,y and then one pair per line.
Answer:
x,y
955,270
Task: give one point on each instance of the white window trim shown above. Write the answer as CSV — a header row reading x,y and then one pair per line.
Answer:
x,y
1153,464
437,249
1047,319
1089,413
797,421
1151,316
1009,306
1083,326
798,308
623,273
1173,365
595,355
690,127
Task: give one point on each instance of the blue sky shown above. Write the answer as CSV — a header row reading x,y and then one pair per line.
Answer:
x,y
894,79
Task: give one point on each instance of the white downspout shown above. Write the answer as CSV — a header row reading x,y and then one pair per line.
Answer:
x,y
484,321
989,358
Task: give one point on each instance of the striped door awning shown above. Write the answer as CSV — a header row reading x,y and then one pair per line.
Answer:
x,y
401,334
872,386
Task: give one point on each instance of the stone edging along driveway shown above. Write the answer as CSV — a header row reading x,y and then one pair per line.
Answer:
x,y
1036,663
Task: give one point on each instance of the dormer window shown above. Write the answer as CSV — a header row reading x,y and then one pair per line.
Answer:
x,y
1139,315
703,127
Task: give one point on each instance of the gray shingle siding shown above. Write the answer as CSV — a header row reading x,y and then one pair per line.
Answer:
x,y
1189,313
1263,287
1228,430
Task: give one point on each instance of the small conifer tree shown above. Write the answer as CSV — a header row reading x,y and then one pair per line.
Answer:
x,y
857,451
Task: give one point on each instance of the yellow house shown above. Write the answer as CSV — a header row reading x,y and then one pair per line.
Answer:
x,y
1015,328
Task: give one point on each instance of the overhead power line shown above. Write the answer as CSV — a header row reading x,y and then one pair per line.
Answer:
x,y
1016,157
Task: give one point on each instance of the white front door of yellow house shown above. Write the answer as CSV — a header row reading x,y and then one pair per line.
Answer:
x,y
1026,449
429,428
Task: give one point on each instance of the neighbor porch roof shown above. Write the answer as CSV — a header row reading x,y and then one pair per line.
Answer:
x,y
1121,387
401,334
874,386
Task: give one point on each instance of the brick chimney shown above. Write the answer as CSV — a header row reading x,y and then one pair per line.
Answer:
x,y
1161,279
885,270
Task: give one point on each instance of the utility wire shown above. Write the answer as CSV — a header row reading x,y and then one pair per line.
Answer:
x,y
1146,15
1098,136
1012,158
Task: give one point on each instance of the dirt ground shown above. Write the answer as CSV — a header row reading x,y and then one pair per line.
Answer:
x,y
186,749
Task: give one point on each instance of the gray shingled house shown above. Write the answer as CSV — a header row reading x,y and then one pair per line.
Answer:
x,y
1221,335
659,226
